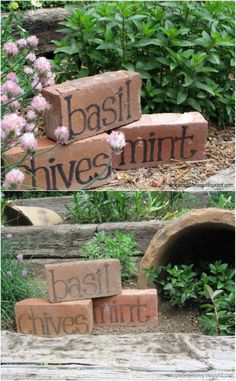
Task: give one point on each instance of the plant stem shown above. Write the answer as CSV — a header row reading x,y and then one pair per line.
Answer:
x,y
99,176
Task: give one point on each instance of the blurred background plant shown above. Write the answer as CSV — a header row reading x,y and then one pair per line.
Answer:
x,y
16,283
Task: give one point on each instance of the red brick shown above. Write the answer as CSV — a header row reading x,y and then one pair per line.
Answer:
x,y
83,279
59,167
132,308
42,318
91,105
159,138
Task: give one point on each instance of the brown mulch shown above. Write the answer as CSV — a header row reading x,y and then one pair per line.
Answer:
x,y
220,153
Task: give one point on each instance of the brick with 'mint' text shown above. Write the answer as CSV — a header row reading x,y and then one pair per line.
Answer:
x,y
42,318
89,106
161,138
83,279
131,308
60,167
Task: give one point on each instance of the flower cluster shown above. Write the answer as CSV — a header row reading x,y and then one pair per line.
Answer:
x,y
20,116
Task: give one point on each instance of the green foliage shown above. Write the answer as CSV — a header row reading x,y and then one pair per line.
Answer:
x,y
113,206
24,5
213,291
15,283
183,50
224,200
121,246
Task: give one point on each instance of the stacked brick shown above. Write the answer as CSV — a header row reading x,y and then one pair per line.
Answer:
x,y
92,106
83,295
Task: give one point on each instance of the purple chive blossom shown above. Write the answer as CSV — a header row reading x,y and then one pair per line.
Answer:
x,y
24,273
116,140
9,273
19,257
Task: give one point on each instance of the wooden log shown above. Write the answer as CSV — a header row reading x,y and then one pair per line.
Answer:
x,y
44,23
147,356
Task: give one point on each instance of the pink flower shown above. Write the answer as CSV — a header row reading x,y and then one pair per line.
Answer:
x,y
9,273
21,43
42,66
62,134
36,84
10,48
4,99
32,41
116,140
31,127
39,104
28,70
14,178
28,142
24,273
31,116
11,89
19,257
31,57
12,77
12,125
13,106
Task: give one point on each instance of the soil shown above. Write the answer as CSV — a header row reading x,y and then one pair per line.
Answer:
x,y
220,153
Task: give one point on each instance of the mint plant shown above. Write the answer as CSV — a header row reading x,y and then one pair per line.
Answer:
x,y
183,50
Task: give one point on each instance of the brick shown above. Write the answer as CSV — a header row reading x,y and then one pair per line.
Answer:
x,y
59,167
159,138
83,279
91,105
131,308
42,318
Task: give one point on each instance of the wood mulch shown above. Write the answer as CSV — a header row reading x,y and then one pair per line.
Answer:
x,y
220,153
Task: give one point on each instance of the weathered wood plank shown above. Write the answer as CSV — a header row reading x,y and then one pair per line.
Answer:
x,y
117,357
22,372
65,241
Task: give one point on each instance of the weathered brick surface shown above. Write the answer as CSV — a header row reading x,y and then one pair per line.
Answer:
x,y
131,308
71,167
91,105
83,279
160,138
42,318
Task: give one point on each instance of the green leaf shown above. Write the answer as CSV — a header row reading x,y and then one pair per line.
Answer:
x,y
206,69
149,41
214,59
205,87
192,102
182,95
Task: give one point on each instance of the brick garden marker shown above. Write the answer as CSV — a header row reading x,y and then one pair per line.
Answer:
x,y
42,318
92,105
158,138
131,308
70,167
83,279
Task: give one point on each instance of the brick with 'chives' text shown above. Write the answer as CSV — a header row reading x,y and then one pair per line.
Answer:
x,y
42,318
71,167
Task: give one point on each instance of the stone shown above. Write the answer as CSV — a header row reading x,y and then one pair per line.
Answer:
x,y
161,138
89,106
83,279
157,250
131,308
42,318
223,180
59,167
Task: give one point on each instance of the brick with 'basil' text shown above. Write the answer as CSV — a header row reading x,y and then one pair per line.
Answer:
x,y
83,279
42,318
131,308
91,105
161,138
81,164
